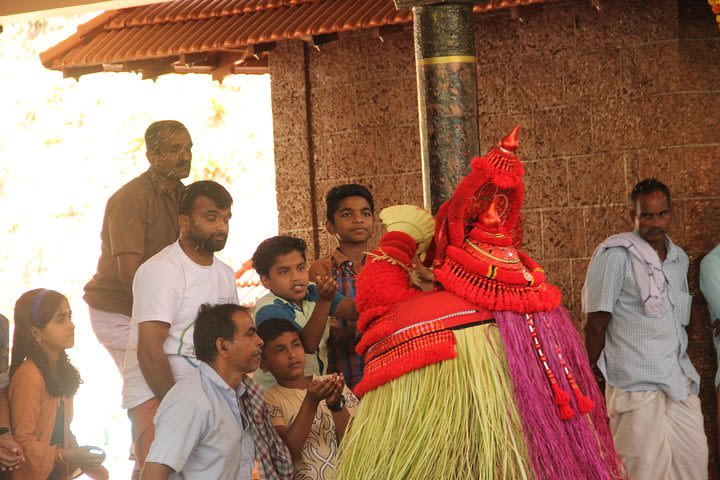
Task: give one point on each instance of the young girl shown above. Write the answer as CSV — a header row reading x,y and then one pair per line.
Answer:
x,y
43,383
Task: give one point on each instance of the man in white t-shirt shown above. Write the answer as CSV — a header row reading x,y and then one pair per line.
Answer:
x,y
168,291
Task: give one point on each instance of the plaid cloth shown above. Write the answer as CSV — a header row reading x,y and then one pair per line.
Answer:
x,y
273,456
342,357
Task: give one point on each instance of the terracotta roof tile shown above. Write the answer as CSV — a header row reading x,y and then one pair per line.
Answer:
x,y
163,32
248,284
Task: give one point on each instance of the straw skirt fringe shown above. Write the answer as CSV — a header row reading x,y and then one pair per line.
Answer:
x,y
469,399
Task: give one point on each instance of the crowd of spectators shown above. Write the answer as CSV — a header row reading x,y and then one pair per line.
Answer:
x,y
213,388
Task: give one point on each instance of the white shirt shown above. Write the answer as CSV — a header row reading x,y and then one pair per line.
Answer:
x,y
200,431
170,288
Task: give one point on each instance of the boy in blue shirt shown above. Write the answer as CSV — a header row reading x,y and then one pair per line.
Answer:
x,y
280,262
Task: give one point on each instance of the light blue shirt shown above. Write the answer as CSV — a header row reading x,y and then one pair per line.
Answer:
x,y
710,288
642,352
201,430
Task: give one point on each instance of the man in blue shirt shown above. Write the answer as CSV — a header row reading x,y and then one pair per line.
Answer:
x,y
637,304
213,424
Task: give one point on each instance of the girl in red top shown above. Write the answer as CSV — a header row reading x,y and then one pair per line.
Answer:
x,y
43,383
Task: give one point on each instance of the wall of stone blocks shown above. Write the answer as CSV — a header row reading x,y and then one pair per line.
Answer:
x,y
604,98
360,96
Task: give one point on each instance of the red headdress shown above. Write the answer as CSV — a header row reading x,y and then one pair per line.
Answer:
x,y
477,232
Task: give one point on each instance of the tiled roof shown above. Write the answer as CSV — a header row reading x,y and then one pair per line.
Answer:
x,y
215,36
248,281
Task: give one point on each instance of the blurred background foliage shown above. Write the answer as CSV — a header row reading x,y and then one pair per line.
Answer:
x,y
67,145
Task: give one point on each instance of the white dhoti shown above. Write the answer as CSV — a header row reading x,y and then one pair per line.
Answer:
x,y
658,438
113,331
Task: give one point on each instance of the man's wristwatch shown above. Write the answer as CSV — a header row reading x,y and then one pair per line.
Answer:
x,y
337,406
4,430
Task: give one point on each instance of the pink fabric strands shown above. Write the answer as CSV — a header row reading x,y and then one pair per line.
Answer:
x,y
580,447
557,328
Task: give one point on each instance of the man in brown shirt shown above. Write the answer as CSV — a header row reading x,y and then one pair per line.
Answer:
x,y
141,219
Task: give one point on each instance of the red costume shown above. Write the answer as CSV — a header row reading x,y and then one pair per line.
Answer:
x,y
490,347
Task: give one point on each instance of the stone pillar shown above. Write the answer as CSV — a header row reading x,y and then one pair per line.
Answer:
x,y
447,93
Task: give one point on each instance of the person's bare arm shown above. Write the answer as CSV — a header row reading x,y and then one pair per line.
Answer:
x,y
155,471
153,362
128,263
595,327
11,454
341,418
315,327
4,408
346,310
297,433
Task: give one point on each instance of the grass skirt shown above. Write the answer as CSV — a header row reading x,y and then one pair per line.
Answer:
x,y
450,420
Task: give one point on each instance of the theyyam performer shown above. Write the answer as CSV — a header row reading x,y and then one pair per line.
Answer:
x,y
484,377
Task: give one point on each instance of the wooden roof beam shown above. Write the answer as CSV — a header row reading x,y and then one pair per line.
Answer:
x,y
77,72
318,40
227,62
387,30
253,66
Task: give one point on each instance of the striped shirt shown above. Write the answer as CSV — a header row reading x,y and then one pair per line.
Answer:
x,y
642,352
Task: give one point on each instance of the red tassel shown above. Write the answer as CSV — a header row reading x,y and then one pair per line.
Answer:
x,y
566,413
562,400
585,404
561,397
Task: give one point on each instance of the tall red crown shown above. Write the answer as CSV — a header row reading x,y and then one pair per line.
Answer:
x,y
477,254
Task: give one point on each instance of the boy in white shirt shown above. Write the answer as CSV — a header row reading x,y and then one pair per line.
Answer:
x,y
310,413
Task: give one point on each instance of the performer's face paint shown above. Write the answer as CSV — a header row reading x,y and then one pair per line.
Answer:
x,y
288,277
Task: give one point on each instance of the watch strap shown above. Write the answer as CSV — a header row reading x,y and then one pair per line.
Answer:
x,y
337,406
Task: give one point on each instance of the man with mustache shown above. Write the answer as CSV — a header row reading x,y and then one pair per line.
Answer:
x,y
168,290
637,305
214,424
140,220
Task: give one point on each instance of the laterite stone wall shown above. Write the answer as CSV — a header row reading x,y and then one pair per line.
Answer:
x,y
605,98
